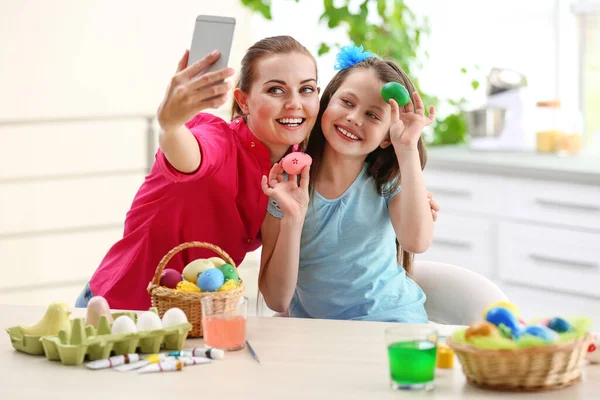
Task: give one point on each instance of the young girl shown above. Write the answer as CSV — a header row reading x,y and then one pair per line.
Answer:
x,y
205,182
336,256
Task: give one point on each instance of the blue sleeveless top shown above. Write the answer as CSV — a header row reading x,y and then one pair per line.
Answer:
x,y
348,267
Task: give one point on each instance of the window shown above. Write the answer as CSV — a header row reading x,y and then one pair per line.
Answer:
x,y
588,13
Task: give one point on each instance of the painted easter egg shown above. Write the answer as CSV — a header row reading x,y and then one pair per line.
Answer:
x,y
211,280
97,307
481,329
295,162
192,271
593,354
501,316
170,278
504,304
229,272
559,325
394,90
540,331
217,261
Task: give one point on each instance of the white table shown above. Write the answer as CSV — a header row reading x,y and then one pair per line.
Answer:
x,y
300,359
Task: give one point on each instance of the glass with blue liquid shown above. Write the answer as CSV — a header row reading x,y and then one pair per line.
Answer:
x,y
412,351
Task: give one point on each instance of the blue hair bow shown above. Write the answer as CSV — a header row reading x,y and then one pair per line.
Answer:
x,y
351,55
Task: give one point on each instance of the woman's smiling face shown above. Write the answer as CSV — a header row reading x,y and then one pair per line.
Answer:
x,y
283,101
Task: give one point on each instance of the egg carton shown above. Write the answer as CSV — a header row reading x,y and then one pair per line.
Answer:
x,y
72,348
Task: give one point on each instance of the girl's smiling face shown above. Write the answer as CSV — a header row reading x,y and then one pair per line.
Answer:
x,y
283,101
357,119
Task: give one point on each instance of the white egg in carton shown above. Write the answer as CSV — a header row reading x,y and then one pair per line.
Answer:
x,y
130,332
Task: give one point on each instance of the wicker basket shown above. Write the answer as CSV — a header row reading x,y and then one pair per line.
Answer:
x,y
527,369
164,298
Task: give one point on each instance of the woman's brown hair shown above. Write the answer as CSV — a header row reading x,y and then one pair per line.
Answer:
x,y
382,163
263,48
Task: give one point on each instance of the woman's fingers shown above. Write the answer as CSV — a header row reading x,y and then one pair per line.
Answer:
x,y
183,62
211,78
190,72
214,102
434,205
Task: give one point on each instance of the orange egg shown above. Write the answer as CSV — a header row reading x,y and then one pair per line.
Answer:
x,y
481,329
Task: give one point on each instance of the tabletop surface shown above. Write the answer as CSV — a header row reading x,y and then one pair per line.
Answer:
x,y
300,359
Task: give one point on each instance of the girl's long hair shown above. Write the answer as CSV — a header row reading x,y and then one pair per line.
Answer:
x,y
382,163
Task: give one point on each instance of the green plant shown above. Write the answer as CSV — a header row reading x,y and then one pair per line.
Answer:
x,y
390,29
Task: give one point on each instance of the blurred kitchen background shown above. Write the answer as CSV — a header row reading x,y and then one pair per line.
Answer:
x,y
514,158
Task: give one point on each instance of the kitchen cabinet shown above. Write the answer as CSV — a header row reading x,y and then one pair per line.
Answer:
x,y
530,223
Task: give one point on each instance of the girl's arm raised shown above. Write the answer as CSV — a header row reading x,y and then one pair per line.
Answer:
x,y
186,96
410,210
281,238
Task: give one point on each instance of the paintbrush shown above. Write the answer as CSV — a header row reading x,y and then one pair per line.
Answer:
x,y
252,352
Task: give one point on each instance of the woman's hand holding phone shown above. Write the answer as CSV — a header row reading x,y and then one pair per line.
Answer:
x,y
190,91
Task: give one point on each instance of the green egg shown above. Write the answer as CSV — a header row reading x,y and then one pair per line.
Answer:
x,y
229,272
394,90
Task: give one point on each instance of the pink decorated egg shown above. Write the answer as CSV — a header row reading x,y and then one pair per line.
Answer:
x,y
170,278
96,308
295,162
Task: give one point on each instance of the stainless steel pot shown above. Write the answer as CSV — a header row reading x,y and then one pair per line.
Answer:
x,y
485,122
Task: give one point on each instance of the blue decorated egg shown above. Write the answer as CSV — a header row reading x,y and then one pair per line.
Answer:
x,y
559,325
501,316
540,331
211,280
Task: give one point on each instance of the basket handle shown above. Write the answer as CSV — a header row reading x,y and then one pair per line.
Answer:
x,y
183,246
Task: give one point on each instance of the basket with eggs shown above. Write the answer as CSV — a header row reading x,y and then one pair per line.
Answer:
x,y
216,277
503,352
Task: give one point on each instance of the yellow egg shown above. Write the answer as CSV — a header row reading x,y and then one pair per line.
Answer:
x,y
504,304
481,329
229,285
217,261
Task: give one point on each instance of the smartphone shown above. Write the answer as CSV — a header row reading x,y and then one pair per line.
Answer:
x,y
210,33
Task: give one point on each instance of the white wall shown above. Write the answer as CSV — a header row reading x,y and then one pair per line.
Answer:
x,y
65,187
82,57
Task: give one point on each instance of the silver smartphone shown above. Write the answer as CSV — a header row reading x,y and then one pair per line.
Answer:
x,y
210,33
